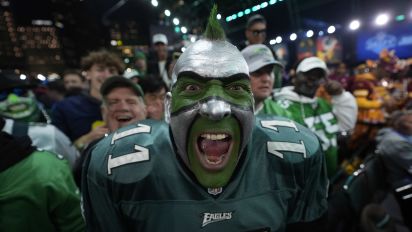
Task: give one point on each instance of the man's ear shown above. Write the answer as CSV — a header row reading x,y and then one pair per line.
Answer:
x,y
168,104
86,75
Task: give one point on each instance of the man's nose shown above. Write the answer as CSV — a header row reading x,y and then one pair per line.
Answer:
x,y
215,109
265,77
107,73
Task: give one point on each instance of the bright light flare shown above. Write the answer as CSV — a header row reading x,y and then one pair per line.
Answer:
x,y
382,19
354,25
331,29
293,36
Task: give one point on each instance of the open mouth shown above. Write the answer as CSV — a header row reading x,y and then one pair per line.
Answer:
x,y
18,107
124,118
213,150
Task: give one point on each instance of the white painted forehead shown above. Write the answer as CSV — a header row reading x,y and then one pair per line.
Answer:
x,y
211,59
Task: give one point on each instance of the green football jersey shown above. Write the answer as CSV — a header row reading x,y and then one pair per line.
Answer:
x,y
135,181
315,114
39,194
269,106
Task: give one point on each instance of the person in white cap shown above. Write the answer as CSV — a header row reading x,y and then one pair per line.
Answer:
x,y
316,113
159,62
262,70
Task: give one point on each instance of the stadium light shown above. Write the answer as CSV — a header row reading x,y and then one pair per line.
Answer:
x,y
272,42
167,13
155,3
293,36
331,29
354,25
382,19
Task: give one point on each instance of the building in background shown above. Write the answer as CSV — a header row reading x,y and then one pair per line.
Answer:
x,y
11,55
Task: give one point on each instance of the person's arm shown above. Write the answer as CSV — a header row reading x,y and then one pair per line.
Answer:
x,y
64,147
84,140
308,212
100,212
345,108
59,119
401,155
344,105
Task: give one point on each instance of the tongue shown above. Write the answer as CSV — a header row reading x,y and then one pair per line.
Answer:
x,y
214,148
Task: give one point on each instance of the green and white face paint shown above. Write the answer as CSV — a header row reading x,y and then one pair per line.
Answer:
x,y
210,110
21,108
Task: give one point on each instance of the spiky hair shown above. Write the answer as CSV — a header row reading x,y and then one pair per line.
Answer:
x,y
214,30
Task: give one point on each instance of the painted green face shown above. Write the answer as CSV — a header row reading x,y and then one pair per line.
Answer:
x,y
21,108
212,145
188,91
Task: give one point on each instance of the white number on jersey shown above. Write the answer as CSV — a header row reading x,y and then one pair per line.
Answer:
x,y
141,154
273,124
141,128
275,147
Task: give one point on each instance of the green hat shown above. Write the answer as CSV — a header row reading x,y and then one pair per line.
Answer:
x,y
119,81
139,55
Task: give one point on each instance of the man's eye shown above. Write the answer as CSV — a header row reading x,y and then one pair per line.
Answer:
x,y
192,88
110,103
113,71
131,102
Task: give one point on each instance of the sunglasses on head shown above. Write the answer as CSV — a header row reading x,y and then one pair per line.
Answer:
x,y
17,91
258,32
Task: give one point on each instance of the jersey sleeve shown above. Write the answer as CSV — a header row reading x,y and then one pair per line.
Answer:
x,y
113,174
311,203
100,210
297,151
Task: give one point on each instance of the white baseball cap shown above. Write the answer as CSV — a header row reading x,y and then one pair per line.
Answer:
x,y
258,56
311,63
159,38
129,73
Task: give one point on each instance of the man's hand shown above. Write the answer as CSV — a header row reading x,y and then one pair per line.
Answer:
x,y
333,88
94,134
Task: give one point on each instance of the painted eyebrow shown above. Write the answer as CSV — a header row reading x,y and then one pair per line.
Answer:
x,y
198,77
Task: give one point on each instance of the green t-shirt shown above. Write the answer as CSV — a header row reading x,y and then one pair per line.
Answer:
x,y
316,115
134,181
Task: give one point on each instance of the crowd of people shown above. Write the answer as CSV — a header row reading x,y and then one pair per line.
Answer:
x,y
217,138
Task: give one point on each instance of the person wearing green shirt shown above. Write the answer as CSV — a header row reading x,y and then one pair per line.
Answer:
x,y
313,112
37,190
215,167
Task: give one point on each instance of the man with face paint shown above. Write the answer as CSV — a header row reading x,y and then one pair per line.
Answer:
x,y
309,110
214,167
